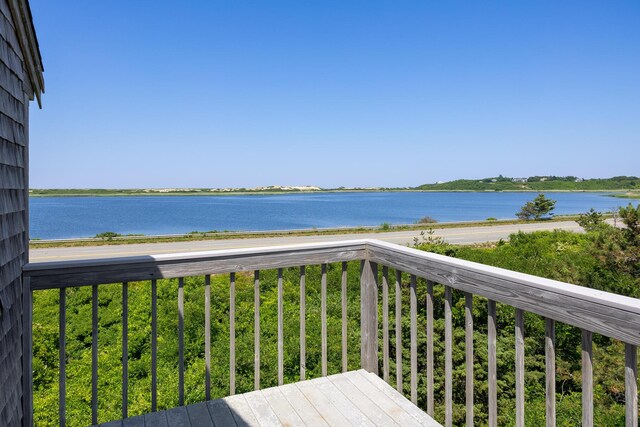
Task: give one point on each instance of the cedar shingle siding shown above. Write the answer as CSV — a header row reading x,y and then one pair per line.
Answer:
x,y
15,91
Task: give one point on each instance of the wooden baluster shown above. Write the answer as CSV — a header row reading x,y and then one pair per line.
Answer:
x,y
430,398
181,341
550,371
399,379
207,336
94,354
631,385
519,327
468,345
323,317
344,317
154,345
587,378
303,324
448,357
385,323
125,350
280,330
62,347
232,334
256,330
492,363
369,316
414,339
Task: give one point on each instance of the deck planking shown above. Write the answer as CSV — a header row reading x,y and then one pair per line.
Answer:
x,y
351,398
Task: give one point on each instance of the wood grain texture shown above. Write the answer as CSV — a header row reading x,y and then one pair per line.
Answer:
x,y
430,390
125,350
605,313
448,358
62,359
154,345
587,378
88,272
199,415
307,412
631,385
369,316
220,413
519,332
207,337
303,323
468,346
385,323
321,402
343,296
94,354
550,371
413,309
256,330
181,341
16,371
395,411
240,410
371,409
279,404
280,329
422,418
323,318
232,334
399,378
492,377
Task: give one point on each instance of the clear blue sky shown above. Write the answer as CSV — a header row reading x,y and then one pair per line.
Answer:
x,y
331,93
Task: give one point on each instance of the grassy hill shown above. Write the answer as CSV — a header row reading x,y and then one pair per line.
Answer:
x,y
536,183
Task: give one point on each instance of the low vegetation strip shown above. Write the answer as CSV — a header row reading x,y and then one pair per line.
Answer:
x,y
499,183
536,183
111,238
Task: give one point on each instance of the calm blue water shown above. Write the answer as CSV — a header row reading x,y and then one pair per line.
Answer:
x,y
65,217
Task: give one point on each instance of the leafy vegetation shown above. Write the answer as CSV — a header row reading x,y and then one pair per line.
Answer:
x,y
603,258
108,235
537,208
426,220
536,183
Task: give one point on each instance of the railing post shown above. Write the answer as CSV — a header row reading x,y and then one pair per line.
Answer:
x,y
369,316
27,352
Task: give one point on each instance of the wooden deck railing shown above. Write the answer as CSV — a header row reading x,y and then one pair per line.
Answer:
x,y
593,311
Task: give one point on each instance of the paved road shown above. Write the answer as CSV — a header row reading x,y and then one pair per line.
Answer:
x,y
461,235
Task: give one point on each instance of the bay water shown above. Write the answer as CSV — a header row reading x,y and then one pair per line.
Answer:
x,y
71,217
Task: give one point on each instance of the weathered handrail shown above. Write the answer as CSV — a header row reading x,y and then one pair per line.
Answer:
x,y
593,311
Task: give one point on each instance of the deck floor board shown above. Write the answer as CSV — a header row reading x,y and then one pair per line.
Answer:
x,y
351,398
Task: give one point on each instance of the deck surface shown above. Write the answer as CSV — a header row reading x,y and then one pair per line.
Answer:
x,y
353,398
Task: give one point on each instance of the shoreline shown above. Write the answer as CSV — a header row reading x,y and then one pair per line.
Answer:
x,y
226,235
125,193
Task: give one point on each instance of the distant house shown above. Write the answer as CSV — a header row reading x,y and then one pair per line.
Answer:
x,y
519,180
579,179
20,82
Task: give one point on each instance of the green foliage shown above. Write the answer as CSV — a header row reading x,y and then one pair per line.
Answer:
x,y
537,208
426,220
630,216
537,183
385,226
108,235
491,219
591,220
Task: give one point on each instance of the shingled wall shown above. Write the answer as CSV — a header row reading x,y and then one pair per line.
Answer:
x,y
13,214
